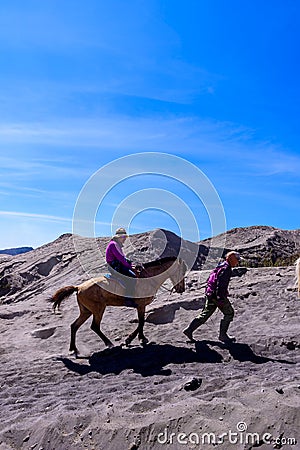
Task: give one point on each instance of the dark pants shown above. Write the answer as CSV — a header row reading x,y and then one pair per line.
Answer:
x,y
211,304
126,275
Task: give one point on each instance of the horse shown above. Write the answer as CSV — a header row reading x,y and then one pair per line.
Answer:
x,y
94,295
298,276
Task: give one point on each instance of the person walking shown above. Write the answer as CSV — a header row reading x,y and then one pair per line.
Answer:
x,y
216,296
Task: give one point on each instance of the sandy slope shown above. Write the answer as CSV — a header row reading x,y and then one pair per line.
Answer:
x,y
123,398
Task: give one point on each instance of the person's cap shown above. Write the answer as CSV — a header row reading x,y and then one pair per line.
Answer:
x,y
120,232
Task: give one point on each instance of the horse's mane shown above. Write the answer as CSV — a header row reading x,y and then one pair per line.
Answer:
x,y
159,262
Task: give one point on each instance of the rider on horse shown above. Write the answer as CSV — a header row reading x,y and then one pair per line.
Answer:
x,y
117,262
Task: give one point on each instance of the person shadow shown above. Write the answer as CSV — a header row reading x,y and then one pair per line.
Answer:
x,y
243,352
150,360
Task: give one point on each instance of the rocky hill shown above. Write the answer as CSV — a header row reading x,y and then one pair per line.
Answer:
x,y
261,245
144,397
72,259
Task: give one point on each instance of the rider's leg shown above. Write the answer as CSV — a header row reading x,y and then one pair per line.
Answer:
x,y
129,278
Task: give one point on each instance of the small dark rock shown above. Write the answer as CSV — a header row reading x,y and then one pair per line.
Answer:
x,y
279,390
238,272
290,345
192,385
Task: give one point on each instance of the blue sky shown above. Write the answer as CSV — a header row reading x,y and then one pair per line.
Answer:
x,y
83,83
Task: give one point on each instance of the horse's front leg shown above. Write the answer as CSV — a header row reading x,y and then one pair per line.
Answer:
x,y
139,330
142,337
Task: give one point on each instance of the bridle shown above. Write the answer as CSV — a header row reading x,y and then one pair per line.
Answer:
x,y
142,268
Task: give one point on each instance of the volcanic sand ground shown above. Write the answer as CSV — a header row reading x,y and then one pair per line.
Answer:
x,y
122,398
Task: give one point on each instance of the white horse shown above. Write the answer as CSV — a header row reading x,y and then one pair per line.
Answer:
x,y
297,285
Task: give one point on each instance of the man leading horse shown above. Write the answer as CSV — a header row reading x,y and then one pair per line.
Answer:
x,y
216,296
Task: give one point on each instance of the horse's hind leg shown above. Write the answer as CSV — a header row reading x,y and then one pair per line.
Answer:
x,y
84,315
97,317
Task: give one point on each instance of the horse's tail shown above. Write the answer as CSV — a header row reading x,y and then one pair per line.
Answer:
x,y
61,294
298,276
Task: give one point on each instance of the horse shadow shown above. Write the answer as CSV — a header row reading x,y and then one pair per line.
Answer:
x,y
166,313
153,359
149,360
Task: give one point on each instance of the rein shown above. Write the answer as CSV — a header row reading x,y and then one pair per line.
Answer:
x,y
161,286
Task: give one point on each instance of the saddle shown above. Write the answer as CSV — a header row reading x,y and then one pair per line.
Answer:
x,y
110,276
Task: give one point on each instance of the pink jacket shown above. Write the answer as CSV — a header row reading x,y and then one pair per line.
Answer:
x,y
114,251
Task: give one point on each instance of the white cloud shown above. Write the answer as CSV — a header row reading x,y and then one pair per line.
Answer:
x,y
115,132
22,229
190,136
24,167
18,228
35,216
272,161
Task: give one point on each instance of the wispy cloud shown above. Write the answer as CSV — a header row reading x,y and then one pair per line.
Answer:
x,y
101,132
45,217
273,161
112,130
185,135
50,218
25,167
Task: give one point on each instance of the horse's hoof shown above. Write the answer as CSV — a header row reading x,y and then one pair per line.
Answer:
x,y
127,342
110,345
74,353
144,341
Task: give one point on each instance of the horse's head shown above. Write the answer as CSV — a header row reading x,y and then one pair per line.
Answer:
x,y
177,273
